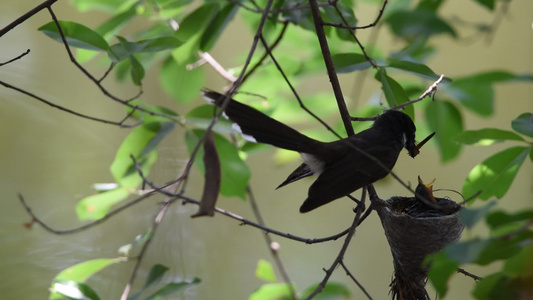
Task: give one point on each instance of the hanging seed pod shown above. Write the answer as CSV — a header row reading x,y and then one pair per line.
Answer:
x,y
415,229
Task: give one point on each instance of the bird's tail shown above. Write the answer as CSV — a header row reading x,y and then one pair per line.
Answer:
x,y
258,127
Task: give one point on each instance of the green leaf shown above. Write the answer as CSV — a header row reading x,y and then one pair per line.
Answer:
x,y
470,216
349,62
441,270
493,286
156,274
137,71
82,271
487,3
265,271
73,290
77,35
523,124
235,173
417,69
520,264
159,44
201,116
445,119
110,6
474,95
332,290
180,83
501,248
141,143
138,241
499,218
172,288
486,136
164,114
217,26
113,25
394,92
195,22
476,92
97,206
419,22
269,291
466,251
495,174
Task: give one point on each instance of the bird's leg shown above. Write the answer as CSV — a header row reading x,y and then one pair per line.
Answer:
x,y
360,205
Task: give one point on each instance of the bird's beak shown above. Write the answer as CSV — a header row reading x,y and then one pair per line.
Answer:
x,y
429,187
415,149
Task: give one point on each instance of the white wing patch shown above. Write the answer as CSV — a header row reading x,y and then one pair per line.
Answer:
x,y
245,136
316,165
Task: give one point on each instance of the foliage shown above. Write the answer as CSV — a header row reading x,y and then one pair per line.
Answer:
x,y
201,24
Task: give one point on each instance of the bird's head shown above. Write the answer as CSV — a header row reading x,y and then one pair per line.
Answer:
x,y
402,127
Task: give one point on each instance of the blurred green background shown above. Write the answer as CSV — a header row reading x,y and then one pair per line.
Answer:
x,y
53,159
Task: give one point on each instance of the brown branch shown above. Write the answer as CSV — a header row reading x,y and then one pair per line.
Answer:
x,y
16,58
26,16
265,55
269,242
463,271
431,90
340,256
332,74
155,225
295,93
83,227
120,123
346,26
352,32
355,280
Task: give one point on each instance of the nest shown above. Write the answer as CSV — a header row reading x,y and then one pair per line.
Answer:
x,y
414,230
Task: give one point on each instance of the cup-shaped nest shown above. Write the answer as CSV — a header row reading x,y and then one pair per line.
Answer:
x,y
414,230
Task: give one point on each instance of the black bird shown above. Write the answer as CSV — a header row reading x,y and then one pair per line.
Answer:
x,y
343,166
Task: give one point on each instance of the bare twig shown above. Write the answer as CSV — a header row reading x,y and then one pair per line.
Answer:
x,y
463,271
269,242
340,256
295,93
265,55
431,90
26,16
355,280
86,226
346,26
155,225
16,58
213,63
120,123
343,109
352,32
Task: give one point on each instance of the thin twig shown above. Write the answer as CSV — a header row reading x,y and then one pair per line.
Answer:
x,y
352,32
26,16
294,92
346,26
355,280
431,89
186,199
340,256
120,123
463,271
86,226
213,63
265,55
16,58
343,109
155,225
269,242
